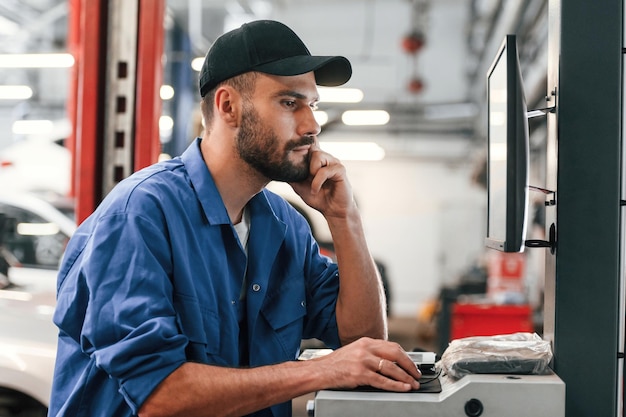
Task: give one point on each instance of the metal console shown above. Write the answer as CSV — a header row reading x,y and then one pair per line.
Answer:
x,y
473,395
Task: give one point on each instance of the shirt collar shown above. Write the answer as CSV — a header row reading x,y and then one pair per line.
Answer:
x,y
203,184
207,192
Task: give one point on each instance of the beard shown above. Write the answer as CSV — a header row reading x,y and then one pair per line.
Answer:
x,y
258,145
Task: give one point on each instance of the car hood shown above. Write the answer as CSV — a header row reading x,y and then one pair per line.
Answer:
x,y
27,305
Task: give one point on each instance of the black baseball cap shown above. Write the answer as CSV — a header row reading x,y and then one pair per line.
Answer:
x,y
270,47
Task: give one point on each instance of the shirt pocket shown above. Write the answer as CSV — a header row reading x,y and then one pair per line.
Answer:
x,y
200,324
284,311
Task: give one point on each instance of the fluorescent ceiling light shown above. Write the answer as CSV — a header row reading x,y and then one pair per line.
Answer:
x,y
19,296
37,229
340,95
15,92
33,127
196,63
166,92
365,117
354,151
166,127
321,117
36,60
166,123
8,27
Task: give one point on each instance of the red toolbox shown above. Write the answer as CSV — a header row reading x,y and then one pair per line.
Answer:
x,y
470,319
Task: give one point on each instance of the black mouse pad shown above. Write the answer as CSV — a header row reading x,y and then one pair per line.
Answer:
x,y
428,385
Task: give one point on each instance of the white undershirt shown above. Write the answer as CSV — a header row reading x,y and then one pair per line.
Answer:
x,y
243,232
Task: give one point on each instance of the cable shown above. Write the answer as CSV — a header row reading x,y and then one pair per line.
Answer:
x,y
423,381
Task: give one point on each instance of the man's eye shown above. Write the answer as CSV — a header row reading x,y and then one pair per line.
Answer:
x,y
289,103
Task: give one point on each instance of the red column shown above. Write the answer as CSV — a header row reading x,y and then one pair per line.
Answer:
x,y
85,102
149,80
88,95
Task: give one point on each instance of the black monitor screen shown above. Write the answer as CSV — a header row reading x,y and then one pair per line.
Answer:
x,y
507,135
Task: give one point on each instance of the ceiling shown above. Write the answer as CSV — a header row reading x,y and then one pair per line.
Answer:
x,y
460,39
369,33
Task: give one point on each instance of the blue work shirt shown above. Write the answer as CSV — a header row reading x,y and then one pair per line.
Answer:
x,y
152,279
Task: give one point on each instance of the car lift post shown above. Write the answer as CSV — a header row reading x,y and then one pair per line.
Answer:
x,y
113,104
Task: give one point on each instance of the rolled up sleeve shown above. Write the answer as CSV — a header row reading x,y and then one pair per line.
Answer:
x,y
130,325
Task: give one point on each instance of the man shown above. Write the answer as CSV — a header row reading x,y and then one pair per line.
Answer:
x,y
189,290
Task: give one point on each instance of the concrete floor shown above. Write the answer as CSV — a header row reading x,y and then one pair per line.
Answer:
x,y
403,330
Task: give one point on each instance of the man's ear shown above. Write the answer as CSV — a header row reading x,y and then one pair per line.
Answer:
x,y
228,105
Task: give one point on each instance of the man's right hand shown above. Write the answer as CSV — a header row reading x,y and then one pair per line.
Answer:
x,y
198,387
370,362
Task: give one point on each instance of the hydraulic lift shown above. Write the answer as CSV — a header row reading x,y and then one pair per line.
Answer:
x,y
114,102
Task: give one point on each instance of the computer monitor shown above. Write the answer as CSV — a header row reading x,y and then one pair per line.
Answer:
x,y
507,162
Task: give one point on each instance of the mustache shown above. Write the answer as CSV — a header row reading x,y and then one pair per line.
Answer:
x,y
303,141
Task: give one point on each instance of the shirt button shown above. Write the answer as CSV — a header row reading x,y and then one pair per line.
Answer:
x,y
256,287
303,303
232,302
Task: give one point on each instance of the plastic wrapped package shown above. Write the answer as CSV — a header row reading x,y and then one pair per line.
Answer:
x,y
516,353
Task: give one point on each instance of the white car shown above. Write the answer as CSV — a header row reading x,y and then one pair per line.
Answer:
x,y
44,224
27,352
35,163
34,241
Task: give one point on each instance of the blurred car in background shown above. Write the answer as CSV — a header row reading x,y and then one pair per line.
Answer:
x,y
43,224
32,242
38,162
27,351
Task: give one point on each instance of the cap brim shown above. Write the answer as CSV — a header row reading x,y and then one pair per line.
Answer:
x,y
330,71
